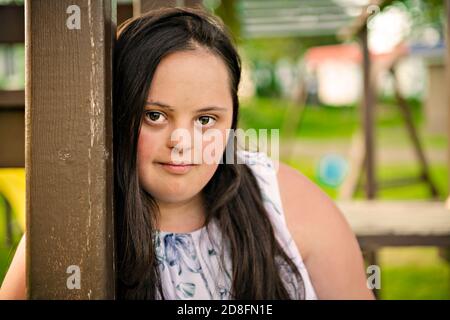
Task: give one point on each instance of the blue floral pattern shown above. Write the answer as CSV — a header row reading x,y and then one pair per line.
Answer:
x,y
189,263
180,251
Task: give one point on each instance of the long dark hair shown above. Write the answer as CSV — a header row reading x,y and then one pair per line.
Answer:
x,y
232,195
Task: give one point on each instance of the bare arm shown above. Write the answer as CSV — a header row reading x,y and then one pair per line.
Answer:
x,y
326,242
14,286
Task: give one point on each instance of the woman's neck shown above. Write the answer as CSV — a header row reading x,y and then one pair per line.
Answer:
x,y
182,217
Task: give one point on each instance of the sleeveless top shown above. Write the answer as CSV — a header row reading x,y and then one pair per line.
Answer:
x,y
189,263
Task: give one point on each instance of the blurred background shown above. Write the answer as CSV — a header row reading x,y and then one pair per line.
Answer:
x,y
303,73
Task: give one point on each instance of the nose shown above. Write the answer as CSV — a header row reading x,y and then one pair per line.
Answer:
x,y
179,142
182,138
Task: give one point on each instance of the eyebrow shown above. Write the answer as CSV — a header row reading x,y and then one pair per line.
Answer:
x,y
204,109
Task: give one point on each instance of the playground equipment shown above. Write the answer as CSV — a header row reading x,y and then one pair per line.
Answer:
x,y
382,223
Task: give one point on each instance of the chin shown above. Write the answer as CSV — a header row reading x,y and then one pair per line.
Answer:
x,y
175,198
171,192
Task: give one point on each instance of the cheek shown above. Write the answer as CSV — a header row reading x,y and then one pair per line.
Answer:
x,y
146,148
207,171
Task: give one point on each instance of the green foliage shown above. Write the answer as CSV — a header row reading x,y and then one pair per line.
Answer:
x,y
320,122
6,251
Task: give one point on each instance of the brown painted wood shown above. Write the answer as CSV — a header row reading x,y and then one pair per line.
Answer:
x,y
69,174
12,24
12,99
405,111
368,114
12,138
398,223
12,19
12,129
376,242
124,12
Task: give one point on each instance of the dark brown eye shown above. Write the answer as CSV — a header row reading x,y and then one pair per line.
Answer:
x,y
206,120
154,116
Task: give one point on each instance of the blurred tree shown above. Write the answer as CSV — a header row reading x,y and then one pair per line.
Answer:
x,y
424,13
228,12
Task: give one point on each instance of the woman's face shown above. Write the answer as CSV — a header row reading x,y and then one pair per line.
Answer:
x,y
174,128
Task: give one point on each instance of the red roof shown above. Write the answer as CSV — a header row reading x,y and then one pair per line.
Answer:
x,y
348,52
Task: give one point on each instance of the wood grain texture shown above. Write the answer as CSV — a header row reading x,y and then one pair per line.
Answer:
x,y
69,177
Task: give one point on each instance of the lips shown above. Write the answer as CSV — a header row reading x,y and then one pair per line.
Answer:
x,y
177,164
177,168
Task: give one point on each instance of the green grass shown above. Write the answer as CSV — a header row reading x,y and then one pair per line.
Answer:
x,y
6,252
413,273
411,282
318,122
439,174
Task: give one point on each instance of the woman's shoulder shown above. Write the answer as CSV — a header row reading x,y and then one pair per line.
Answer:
x,y
309,212
324,236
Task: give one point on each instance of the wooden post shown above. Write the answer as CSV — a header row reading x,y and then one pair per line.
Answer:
x,y
368,128
68,149
425,175
368,117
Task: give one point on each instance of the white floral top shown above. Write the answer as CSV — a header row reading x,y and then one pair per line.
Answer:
x,y
189,263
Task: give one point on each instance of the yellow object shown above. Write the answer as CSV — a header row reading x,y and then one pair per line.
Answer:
x,y
12,186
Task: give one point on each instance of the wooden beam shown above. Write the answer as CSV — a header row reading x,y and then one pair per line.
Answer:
x,y
12,99
368,117
405,110
12,24
12,138
12,19
124,12
12,129
69,174
398,223
12,142
375,242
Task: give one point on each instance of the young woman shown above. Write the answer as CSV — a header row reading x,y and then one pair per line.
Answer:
x,y
220,230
